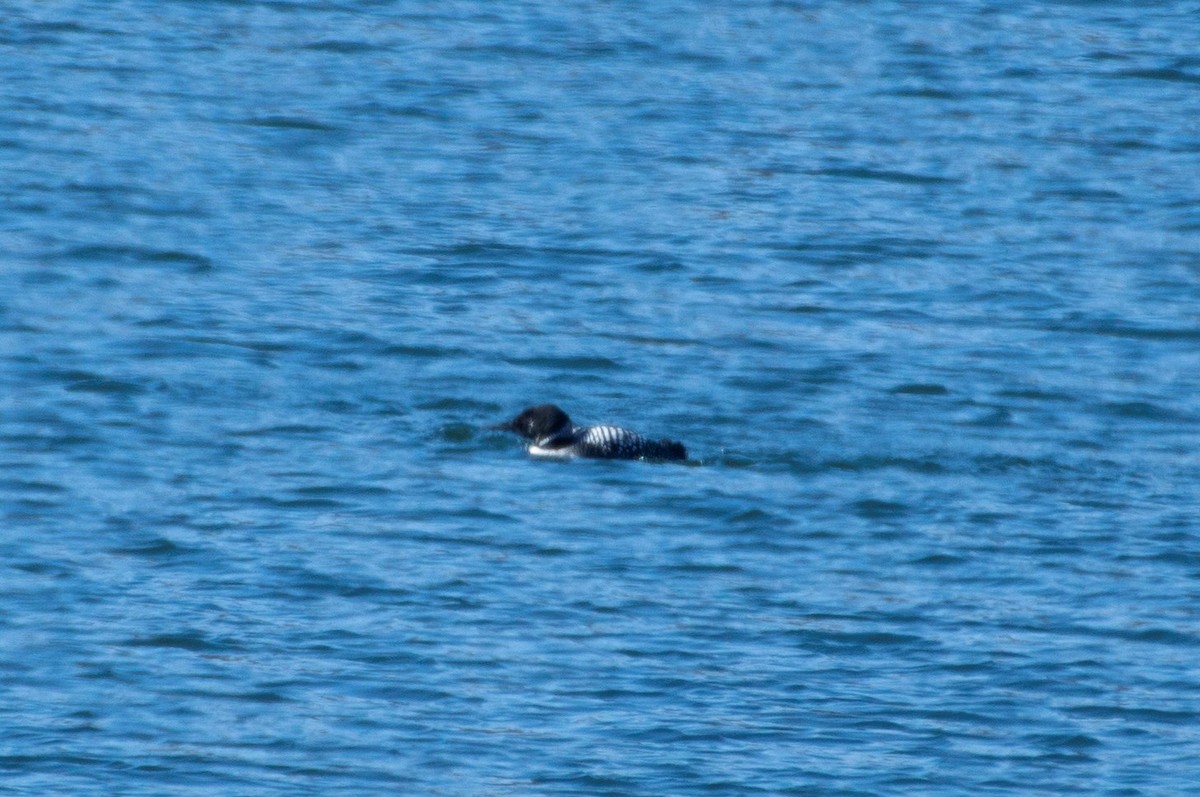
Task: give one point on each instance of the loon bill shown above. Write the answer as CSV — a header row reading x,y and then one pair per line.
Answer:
x,y
551,434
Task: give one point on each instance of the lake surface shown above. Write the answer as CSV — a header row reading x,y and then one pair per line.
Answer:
x,y
919,287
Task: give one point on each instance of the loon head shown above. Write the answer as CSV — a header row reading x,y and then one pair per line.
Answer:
x,y
540,423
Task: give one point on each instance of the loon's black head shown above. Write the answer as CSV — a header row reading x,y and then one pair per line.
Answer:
x,y
540,423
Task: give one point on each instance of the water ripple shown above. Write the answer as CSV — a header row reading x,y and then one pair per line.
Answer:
x,y
915,285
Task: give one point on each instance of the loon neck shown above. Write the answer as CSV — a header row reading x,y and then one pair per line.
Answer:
x,y
559,439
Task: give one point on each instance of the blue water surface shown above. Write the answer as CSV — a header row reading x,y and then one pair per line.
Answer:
x,y
917,284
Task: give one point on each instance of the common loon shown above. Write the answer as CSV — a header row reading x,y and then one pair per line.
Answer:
x,y
551,434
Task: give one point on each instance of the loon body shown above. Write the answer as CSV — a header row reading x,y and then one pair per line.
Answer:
x,y
551,434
